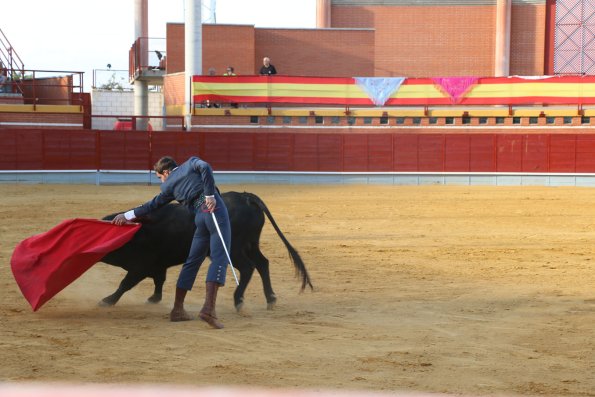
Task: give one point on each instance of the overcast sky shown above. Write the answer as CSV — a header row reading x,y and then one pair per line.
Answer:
x,y
82,35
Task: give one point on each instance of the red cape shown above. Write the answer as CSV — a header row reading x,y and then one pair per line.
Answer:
x,y
45,264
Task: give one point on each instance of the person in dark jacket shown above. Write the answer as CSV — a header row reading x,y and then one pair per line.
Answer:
x,y
267,68
193,184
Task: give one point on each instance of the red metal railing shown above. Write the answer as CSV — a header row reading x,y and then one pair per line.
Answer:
x,y
137,123
146,53
9,58
44,87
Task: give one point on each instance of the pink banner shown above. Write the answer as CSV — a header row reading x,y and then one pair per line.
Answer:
x,y
455,87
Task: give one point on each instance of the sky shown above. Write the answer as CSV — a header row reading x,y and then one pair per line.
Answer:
x,y
87,35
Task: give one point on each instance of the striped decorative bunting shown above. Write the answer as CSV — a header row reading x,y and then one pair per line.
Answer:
x,y
279,89
350,91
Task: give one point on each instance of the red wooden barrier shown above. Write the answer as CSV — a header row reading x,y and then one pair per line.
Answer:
x,y
585,153
299,151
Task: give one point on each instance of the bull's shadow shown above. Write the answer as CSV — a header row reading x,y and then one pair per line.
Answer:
x,y
164,241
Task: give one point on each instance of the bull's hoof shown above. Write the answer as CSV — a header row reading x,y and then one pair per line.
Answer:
x,y
154,299
179,315
106,302
211,320
271,302
239,303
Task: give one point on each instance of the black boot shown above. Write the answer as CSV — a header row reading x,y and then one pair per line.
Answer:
x,y
178,313
207,313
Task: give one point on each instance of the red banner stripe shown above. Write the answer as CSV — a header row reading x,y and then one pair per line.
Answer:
x,y
273,79
408,81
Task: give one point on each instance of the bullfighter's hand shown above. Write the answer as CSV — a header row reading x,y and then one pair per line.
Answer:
x,y
120,220
211,203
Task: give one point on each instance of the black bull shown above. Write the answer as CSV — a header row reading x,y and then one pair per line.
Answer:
x,y
164,240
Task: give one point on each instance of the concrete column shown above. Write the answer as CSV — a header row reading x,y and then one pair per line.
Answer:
x,y
141,90
141,27
323,14
141,104
192,51
502,54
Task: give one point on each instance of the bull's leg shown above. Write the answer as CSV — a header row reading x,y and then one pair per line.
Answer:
x,y
128,282
245,267
158,280
238,295
262,266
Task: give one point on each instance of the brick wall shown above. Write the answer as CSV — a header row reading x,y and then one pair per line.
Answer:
x,y
426,41
11,99
228,45
410,41
223,45
40,120
173,89
174,47
418,41
317,52
527,44
302,52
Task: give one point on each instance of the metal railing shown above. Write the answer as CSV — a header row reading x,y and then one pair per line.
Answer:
x,y
9,59
111,79
44,87
137,123
146,54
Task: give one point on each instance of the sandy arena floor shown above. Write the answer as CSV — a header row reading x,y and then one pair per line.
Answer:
x,y
463,290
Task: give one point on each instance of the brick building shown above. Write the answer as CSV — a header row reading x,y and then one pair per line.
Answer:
x,y
410,38
400,38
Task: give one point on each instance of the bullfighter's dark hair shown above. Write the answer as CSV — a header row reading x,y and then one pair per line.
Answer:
x,y
165,163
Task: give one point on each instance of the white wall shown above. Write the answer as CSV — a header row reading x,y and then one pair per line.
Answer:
x,y
121,103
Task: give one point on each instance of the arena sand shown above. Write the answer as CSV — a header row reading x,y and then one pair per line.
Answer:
x,y
463,290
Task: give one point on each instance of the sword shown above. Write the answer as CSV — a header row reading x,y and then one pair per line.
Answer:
x,y
225,248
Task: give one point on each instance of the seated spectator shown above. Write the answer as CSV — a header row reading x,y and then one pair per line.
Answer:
x,y
208,103
230,72
3,81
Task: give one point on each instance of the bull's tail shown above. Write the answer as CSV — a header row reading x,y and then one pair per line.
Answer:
x,y
295,257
